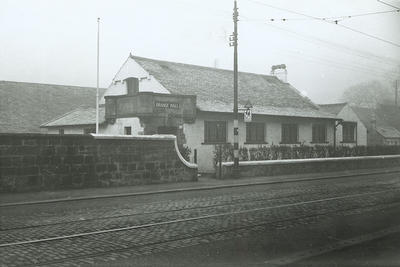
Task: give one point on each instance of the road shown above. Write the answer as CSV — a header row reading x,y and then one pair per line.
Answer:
x,y
267,225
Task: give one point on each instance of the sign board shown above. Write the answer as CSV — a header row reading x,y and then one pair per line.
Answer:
x,y
247,115
170,105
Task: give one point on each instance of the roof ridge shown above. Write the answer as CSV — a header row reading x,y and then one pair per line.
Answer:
x,y
59,117
205,67
331,104
50,84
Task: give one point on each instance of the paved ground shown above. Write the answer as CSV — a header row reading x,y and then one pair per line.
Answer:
x,y
267,224
384,251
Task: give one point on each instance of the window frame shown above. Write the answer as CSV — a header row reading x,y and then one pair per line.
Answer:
x,y
259,128
287,140
219,138
317,132
127,129
345,124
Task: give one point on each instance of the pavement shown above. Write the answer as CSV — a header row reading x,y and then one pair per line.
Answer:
x,y
204,183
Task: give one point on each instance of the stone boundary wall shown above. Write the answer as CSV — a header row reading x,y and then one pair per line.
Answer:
x,y
293,166
33,162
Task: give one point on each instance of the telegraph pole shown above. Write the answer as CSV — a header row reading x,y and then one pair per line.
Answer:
x,y
97,86
396,93
234,42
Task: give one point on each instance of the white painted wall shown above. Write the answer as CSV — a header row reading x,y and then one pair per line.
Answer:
x,y
194,134
347,114
75,129
120,124
116,128
131,68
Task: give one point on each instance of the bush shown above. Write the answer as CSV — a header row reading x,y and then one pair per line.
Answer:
x,y
185,152
301,152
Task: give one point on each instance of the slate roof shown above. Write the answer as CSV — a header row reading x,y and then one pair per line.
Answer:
x,y
79,116
387,119
388,132
214,89
25,106
332,108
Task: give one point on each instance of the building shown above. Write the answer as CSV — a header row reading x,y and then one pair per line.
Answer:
x,y
195,103
351,131
382,123
25,106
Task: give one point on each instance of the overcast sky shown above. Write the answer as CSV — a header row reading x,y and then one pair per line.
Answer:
x,y
54,41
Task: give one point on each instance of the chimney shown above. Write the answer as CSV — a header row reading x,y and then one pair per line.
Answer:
x,y
280,67
132,85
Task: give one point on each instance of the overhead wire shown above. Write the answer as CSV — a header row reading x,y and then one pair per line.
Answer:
x,y
335,22
333,45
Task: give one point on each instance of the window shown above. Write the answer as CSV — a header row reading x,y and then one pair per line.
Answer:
x,y
61,131
214,132
319,133
290,133
89,130
349,129
255,132
128,130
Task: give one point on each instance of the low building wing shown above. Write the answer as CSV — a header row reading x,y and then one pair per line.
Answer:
x,y
79,116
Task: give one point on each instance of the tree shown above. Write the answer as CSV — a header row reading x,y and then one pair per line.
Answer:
x,y
369,94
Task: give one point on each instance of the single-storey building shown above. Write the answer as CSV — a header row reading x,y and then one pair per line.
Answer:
x,y
24,106
382,123
351,131
149,96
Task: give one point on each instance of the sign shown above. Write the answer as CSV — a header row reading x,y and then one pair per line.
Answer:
x,y
170,105
247,115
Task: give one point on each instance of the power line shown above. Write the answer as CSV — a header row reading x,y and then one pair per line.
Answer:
x,y
341,65
369,35
339,18
382,2
331,22
334,46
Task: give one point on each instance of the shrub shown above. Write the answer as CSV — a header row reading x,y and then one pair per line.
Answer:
x,y
301,152
185,152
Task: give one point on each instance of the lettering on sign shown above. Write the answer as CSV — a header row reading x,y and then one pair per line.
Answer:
x,y
247,115
171,105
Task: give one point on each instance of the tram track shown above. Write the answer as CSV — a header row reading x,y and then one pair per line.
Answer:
x,y
195,218
204,204
239,225
44,231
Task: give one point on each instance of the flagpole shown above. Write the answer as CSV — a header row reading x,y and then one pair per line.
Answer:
x,y
97,86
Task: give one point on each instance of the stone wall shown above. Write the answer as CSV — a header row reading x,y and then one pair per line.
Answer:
x,y
32,162
295,166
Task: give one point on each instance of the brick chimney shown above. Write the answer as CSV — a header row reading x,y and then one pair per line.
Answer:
x,y
132,85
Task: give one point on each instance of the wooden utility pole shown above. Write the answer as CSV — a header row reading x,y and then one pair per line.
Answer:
x,y
234,42
396,93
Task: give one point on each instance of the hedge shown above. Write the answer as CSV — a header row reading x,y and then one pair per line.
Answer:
x,y
301,152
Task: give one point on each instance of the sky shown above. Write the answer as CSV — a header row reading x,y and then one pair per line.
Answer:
x,y
55,41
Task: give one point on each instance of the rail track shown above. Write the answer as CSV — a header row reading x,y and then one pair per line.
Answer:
x,y
140,236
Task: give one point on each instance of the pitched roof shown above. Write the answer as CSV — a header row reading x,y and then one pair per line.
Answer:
x,y
366,115
25,106
79,116
214,89
385,116
332,108
388,132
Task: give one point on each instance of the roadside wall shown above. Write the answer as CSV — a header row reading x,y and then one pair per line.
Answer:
x,y
295,166
32,162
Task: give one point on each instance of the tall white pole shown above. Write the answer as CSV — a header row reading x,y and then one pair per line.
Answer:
x,y
97,87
